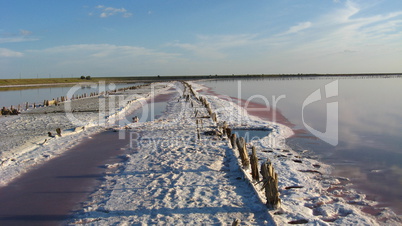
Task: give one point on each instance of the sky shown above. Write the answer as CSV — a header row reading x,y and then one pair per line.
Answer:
x,y
71,38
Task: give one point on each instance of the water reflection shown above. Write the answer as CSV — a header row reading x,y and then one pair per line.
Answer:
x,y
37,95
370,124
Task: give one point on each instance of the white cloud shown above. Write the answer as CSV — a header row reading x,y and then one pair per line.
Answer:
x,y
215,46
22,36
110,11
101,59
16,39
298,27
350,26
9,53
348,39
25,32
102,50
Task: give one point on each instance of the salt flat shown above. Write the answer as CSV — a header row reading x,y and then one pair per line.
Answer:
x,y
171,175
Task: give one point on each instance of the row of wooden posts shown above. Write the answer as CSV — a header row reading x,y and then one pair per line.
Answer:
x,y
269,176
18,109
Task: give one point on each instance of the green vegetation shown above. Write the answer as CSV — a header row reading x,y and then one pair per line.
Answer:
x,y
5,82
41,81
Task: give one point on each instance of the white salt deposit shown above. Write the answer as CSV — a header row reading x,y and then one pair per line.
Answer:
x,y
169,176
24,138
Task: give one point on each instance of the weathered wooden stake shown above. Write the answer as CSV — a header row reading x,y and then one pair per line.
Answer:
x,y
236,222
254,164
228,132
233,140
58,131
241,146
270,179
213,116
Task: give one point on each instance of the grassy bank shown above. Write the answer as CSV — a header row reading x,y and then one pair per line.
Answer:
x,y
41,81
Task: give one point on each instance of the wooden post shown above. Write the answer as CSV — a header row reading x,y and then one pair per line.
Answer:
x,y
213,116
224,125
270,179
246,162
233,140
228,132
254,164
241,146
236,222
58,131
209,110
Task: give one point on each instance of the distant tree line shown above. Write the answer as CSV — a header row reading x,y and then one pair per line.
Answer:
x,y
87,77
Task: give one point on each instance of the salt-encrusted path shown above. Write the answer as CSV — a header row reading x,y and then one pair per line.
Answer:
x,y
172,177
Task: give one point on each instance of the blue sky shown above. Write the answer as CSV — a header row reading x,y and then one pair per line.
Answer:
x,y
50,38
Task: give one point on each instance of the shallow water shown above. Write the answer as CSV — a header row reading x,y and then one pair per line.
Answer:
x,y
369,147
250,135
38,95
48,194
153,109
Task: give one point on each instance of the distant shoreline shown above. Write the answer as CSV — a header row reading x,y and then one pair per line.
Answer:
x,y
40,82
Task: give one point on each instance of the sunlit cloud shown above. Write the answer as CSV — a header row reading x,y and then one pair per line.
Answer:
x,y
10,53
102,50
25,32
102,59
21,36
110,11
298,27
215,46
350,28
17,39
